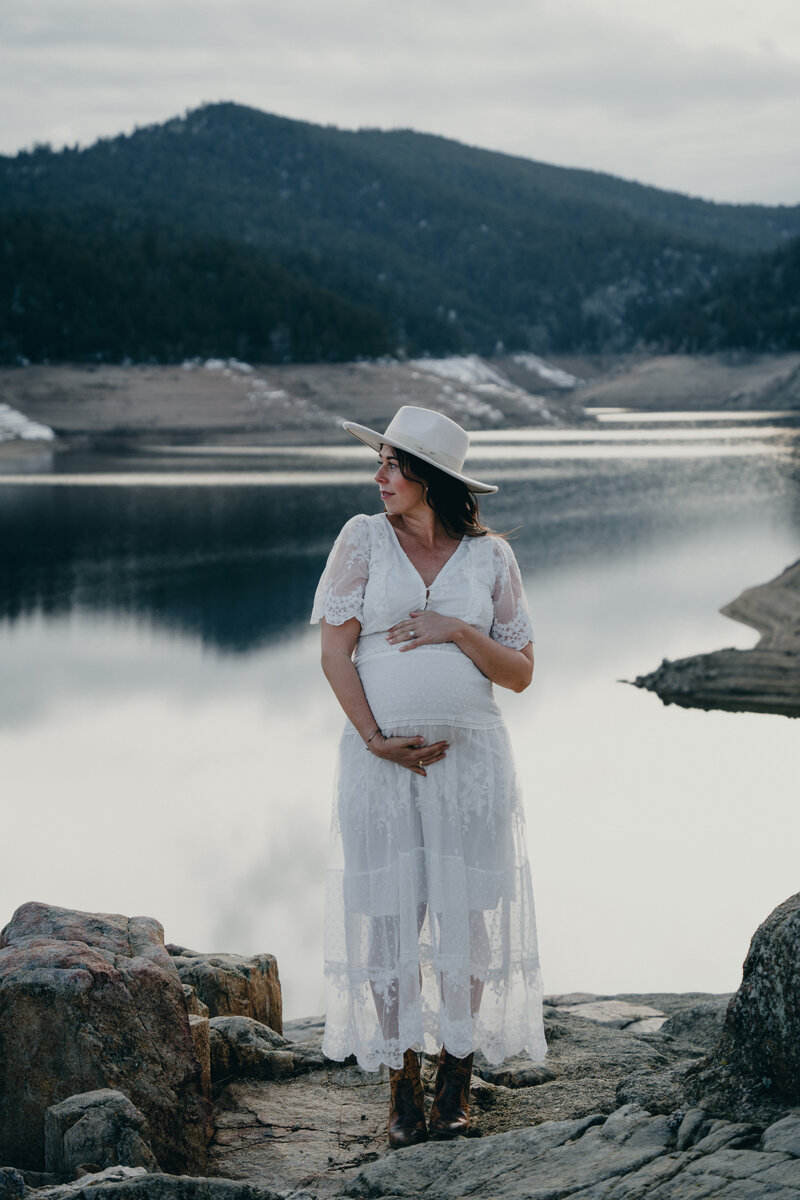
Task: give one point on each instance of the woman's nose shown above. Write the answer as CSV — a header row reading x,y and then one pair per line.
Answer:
x,y
380,475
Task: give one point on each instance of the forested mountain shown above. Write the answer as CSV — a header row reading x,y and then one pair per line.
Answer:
x,y
342,243
757,307
99,293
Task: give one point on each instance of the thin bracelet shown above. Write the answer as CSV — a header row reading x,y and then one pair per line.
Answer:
x,y
369,739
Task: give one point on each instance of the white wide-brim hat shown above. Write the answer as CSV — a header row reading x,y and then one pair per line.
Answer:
x,y
429,435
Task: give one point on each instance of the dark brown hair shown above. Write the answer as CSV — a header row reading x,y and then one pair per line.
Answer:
x,y
452,501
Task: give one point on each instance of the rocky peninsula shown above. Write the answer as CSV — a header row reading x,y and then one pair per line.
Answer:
x,y
132,1068
763,679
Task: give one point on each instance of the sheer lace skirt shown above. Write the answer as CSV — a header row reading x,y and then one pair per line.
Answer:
x,y
430,934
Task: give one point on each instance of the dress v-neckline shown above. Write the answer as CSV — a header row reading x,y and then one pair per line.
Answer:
x,y
442,568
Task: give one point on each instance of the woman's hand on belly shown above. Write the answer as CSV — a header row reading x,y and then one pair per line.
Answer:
x,y
411,753
424,628
501,664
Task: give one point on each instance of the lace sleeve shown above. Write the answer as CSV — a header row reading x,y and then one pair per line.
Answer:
x,y
340,592
512,624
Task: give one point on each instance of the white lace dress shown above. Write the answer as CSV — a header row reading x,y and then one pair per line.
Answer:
x,y
430,935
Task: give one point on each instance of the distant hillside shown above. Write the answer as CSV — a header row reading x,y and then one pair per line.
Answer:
x,y
438,246
145,294
756,308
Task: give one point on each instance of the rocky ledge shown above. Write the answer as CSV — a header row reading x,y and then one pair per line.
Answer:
x,y
663,1096
764,679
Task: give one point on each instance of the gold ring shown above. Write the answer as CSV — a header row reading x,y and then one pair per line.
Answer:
x,y
419,764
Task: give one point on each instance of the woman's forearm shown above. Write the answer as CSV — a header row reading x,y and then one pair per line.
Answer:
x,y
504,665
413,753
341,674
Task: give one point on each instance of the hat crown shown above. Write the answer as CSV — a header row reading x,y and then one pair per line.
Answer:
x,y
430,433
427,434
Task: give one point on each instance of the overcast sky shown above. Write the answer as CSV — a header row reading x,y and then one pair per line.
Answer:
x,y
699,96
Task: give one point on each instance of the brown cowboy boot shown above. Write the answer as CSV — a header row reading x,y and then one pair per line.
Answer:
x,y
407,1118
450,1112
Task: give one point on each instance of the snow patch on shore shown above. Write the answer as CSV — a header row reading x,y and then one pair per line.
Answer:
x,y
15,426
285,409
554,375
538,405
474,407
465,369
486,384
228,366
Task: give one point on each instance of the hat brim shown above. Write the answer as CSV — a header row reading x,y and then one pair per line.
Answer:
x,y
371,437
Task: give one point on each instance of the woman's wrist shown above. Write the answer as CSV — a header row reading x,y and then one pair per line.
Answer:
x,y
376,734
459,631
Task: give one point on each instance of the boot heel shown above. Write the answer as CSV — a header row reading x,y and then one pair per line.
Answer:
x,y
407,1117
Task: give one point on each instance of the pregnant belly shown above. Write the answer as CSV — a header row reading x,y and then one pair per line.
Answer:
x,y
430,684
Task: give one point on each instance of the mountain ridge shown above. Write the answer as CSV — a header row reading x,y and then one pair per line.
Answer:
x,y
450,247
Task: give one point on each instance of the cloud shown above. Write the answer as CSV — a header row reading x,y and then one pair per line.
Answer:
x,y
701,96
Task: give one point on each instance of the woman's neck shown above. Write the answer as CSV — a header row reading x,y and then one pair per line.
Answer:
x,y
421,525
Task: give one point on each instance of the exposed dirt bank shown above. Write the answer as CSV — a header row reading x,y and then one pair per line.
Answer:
x,y
689,382
232,403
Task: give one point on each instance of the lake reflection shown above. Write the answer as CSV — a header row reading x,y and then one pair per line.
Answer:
x,y
168,740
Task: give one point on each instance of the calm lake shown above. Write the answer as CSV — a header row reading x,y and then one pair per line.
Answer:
x,y
167,739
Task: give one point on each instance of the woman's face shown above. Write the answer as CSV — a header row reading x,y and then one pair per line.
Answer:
x,y
399,495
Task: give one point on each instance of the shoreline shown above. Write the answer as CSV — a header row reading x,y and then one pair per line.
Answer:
x,y
230,403
187,1082
765,678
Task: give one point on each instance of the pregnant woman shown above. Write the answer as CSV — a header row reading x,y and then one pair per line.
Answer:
x,y
430,937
